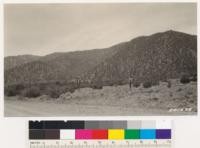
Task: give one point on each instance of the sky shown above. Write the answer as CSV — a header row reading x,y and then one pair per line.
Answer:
x,y
41,29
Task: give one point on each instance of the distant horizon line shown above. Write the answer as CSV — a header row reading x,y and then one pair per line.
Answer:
x,y
99,48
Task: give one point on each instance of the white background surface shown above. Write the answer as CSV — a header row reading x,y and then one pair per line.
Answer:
x,y
14,133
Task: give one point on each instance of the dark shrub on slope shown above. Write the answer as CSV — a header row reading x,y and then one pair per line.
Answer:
x,y
147,84
31,92
185,79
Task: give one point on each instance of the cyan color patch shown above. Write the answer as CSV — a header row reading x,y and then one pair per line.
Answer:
x,y
147,134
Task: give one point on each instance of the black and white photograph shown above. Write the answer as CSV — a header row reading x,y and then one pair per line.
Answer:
x,y
100,59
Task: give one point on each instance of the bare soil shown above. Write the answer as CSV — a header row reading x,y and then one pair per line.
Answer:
x,y
179,99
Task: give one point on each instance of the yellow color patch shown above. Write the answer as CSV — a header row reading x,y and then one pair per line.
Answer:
x,y
115,134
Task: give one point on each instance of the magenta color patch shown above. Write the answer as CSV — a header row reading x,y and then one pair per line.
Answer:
x,y
83,134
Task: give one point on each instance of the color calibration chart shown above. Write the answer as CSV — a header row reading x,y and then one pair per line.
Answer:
x,y
100,134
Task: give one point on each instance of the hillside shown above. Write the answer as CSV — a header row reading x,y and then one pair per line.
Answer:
x,y
156,57
13,61
152,58
55,67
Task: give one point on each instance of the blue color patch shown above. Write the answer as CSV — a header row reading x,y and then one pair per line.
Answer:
x,y
147,134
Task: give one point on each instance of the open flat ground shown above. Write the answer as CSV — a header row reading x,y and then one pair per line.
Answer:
x,y
179,99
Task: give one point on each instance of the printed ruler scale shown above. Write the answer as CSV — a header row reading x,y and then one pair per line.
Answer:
x,y
102,144
100,134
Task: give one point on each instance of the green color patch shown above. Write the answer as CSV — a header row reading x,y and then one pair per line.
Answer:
x,y
132,134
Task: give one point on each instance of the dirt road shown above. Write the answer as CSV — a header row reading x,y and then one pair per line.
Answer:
x,y
118,101
36,109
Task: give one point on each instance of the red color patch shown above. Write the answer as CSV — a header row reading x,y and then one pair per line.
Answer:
x,y
99,134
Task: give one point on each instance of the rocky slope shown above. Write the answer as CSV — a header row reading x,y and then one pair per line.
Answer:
x,y
148,58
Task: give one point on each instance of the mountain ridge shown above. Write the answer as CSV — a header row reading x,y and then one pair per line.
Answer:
x,y
169,42
114,63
